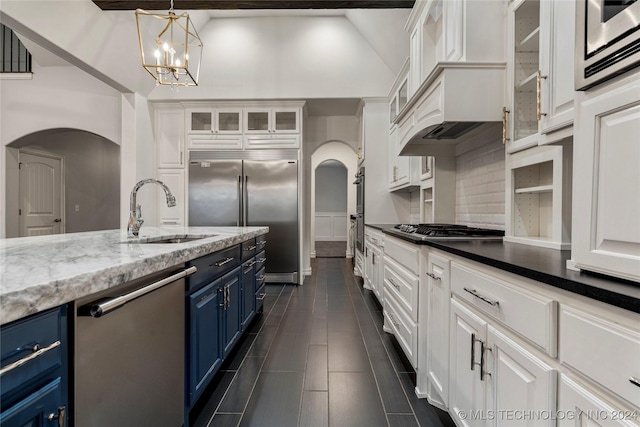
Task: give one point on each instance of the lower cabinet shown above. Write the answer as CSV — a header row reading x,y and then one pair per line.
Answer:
x,y
218,312
34,385
493,379
205,355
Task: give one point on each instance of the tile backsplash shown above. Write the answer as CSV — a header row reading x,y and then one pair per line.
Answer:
x,y
414,208
480,187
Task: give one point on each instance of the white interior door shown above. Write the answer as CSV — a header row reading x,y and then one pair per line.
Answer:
x,y
41,194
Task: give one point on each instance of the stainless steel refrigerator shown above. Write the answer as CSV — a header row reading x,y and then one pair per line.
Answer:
x,y
250,188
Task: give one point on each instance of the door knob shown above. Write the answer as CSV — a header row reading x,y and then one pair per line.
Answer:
x,y
57,220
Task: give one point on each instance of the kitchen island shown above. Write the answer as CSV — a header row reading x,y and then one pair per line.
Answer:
x,y
41,272
182,297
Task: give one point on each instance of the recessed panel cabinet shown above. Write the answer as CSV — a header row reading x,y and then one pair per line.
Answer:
x,y
540,72
169,136
606,198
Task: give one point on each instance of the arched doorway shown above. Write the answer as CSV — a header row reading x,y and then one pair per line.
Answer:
x,y
90,180
331,231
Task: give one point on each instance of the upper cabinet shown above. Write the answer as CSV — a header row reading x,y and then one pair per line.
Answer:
x,y
169,135
218,128
540,77
272,127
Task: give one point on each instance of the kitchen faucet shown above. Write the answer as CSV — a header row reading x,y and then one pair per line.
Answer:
x,y
135,211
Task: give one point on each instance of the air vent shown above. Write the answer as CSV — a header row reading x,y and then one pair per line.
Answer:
x,y
450,130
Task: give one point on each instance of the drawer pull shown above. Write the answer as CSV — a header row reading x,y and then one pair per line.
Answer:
x,y
434,277
634,381
32,356
261,260
394,284
261,297
61,416
252,263
221,263
262,243
262,277
251,248
32,346
483,298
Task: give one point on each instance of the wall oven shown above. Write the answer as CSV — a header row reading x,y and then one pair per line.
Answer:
x,y
359,182
607,40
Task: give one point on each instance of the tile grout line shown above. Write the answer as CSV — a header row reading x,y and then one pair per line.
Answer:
x,y
352,276
242,363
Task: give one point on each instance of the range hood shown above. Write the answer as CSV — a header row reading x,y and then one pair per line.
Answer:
x,y
458,107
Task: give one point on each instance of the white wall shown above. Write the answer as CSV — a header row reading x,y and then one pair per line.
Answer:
x,y
285,57
331,188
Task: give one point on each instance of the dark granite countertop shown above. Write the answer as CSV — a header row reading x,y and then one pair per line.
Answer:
x,y
540,264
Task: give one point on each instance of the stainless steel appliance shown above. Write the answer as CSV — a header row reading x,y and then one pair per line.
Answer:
x,y
359,182
446,232
129,354
250,188
607,40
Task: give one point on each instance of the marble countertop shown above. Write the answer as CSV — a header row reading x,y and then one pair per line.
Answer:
x,y
42,272
540,264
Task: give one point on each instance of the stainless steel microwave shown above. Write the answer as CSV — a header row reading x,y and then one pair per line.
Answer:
x,y
607,40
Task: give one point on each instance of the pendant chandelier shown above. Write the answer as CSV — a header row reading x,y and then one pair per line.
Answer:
x,y
170,47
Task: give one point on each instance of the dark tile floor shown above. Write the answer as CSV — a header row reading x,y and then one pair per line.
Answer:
x,y
317,356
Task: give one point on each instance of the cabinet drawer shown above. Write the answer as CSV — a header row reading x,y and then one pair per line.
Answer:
x,y
23,339
532,316
403,285
248,249
404,329
606,352
406,254
374,237
212,266
261,259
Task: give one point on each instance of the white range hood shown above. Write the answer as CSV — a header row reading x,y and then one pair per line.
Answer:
x,y
458,102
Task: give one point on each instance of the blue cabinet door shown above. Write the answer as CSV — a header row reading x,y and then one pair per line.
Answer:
x,y
41,408
231,288
248,292
205,353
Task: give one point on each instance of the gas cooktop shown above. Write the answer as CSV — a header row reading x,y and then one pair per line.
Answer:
x,y
447,232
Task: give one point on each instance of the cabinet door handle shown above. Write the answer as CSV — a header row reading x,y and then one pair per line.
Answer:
x,y
28,358
473,351
483,371
505,112
539,79
481,297
635,381
61,416
221,263
433,276
393,283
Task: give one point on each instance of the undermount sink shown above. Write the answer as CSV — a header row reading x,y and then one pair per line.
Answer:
x,y
174,239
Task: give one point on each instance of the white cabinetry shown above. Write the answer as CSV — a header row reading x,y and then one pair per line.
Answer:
x,y
606,209
404,171
438,192
272,126
401,293
433,360
213,128
538,196
174,179
494,370
169,135
373,254
540,77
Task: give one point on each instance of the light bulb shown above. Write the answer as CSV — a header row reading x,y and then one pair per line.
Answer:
x,y
156,53
177,62
165,47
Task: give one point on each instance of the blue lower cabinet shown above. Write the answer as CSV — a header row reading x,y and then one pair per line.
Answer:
x,y
43,407
231,310
34,383
248,292
260,293
204,350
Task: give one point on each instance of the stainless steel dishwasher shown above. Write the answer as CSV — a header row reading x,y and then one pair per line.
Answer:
x,y
129,353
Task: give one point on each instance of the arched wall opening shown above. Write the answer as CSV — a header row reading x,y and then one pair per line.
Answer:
x,y
90,178
340,152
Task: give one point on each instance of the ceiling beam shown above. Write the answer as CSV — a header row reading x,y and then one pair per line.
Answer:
x,y
252,4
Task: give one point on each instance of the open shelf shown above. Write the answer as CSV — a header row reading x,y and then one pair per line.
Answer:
x,y
536,189
531,43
